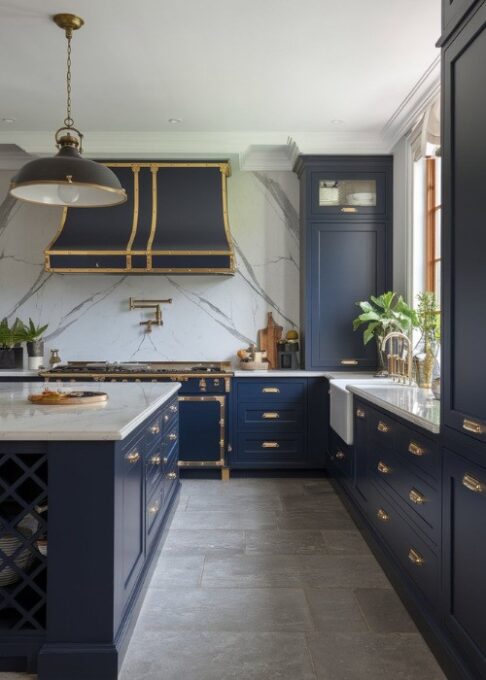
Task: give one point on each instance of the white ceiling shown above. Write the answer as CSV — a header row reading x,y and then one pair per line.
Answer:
x,y
252,67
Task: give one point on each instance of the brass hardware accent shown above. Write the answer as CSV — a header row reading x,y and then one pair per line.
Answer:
x,y
270,445
172,437
340,455
271,390
154,508
416,558
382,515
360,413
171,475
173,408
382,427
216,382
136,208
415,449
225,474
221,400
166,418
472,426
270,415
154,429
133,456
416,497
164,460
473,484
349,210
383,468
202,385
349,362
156,459
227,385
397,362
68,22
150,304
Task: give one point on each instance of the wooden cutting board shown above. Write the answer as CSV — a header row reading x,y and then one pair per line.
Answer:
x,y
267,339
70,399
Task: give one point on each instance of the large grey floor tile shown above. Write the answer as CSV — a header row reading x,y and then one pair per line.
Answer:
x,y
178,570
407,657
241,503
225,609
225,519
327,502
335,610
284,542
384,611
317,487
204,541
315,519
218,656
345,542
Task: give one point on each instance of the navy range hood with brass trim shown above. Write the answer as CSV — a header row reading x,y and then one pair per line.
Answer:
x,y
175,220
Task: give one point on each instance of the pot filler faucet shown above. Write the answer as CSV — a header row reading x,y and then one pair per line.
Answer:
x,y
150,304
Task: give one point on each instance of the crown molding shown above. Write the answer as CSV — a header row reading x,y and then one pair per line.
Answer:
x,y
423,93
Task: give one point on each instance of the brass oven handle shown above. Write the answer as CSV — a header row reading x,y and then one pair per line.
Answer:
x,y
154,429
416,558
415,449
156,459
271,390
382,515
270,415
171,475
472,426
349,362
340,455
382,427
473,484
383,468
172,436
360,413
416,497
133,456
270,445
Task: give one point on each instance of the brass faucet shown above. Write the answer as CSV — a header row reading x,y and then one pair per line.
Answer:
x,y
397,362
150,304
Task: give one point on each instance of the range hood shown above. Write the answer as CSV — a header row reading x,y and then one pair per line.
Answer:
x,y
174,221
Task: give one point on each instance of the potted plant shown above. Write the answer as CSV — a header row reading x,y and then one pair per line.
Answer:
x,y
11,353
32,335
382,315
428,322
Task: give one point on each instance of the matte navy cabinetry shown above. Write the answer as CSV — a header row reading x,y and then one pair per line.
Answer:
x,y
345,253
453,12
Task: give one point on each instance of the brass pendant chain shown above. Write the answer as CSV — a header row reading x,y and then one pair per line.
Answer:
x,y
68,121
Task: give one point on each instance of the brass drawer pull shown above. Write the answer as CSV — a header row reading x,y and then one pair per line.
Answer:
x,y
270,415
156,459
154,429
133,456
154,508
271,390
382,427
472,426
173,408
416,558
270,445
382,515
340,455
349,362
415,449
172,436
360,413
416,497
383,468
349,210
166,418
473,484
171,475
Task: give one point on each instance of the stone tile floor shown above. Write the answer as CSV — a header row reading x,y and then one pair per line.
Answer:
x,y
268,579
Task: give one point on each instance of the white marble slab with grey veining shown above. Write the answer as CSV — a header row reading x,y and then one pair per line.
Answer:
x,y
18,373
410,403
128,405
298,373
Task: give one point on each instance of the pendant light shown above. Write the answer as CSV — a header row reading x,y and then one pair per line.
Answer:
x,y
67,179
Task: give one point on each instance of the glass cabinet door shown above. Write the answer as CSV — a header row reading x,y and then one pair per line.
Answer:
x,y
348,194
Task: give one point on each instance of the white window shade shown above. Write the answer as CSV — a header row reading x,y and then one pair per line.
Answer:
x,y
425,139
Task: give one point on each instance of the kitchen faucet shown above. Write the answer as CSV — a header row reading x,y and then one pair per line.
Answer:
x,y
396,362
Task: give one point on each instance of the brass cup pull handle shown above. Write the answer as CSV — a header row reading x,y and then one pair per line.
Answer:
x,y
382,515
382,427
173,408
154,429
172,437
154,508
415,449
349,362
270,445
171,475
416,558
472,426
473,484
360,413
416,497
383,468
271,390
156,459
133,456
340,455
270,415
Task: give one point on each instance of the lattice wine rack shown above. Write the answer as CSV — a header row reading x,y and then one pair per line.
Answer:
x,y
23,522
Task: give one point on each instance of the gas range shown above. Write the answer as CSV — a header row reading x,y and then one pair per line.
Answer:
x,y
142,368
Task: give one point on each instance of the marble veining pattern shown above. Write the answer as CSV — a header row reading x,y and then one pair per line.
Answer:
x,y
210,318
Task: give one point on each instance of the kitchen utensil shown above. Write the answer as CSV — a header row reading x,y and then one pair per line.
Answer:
x,y
67,398
268,338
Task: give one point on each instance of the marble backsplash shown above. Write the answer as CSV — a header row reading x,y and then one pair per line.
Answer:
x,y
211,317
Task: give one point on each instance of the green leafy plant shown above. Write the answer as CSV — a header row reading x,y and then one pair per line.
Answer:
x,y
31,332
383,314
428,319
11,336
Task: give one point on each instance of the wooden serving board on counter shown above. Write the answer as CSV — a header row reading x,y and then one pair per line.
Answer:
x,y
69,399
268,338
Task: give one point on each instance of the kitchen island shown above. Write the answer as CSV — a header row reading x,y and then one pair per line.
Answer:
x,y
86,496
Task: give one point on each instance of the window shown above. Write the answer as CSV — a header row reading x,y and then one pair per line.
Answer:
x,y
432,225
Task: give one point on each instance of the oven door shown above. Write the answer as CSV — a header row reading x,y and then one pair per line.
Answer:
x,y
202,437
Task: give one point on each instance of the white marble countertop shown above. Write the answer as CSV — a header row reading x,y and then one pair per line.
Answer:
x,y
299,373
410,403
128,405
18,373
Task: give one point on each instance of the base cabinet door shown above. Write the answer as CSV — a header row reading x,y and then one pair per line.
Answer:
x,y
132,528
464,548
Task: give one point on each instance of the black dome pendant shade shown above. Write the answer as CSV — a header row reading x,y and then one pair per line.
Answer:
x,y
68,179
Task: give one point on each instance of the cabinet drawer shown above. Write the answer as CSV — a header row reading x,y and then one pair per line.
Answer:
x,y
154,513
418,560
420,452
340,458
270,416
263,450
382,429
271,391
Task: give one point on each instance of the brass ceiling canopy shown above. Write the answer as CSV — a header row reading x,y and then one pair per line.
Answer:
x,y
67,179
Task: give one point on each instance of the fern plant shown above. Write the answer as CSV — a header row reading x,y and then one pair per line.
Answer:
x,y
11,336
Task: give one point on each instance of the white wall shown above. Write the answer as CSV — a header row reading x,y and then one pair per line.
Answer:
x,y
210,318
402,218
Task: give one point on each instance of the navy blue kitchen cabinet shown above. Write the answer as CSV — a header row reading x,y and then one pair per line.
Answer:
x,y
279,423
453,12
346,253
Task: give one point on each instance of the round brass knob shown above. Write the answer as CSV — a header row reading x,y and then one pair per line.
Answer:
x,y
172,436
155,429
171,475
156,459
133,456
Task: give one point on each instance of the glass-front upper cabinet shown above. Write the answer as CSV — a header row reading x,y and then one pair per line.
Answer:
x,y
348,194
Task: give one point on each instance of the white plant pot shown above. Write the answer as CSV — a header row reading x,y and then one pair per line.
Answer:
x,y
34,363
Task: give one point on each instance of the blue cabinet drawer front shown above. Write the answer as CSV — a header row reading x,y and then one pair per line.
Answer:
x,y
420,452
271,391
340,458
158,462
270,450
415,556
383,430
270,416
